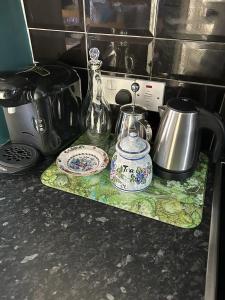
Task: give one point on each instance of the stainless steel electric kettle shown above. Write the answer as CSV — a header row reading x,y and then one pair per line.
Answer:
x,y
177,143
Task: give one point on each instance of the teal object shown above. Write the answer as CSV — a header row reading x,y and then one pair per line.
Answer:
x,y
15,52
4,135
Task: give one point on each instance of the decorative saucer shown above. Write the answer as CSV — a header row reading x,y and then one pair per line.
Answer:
x,y
82,160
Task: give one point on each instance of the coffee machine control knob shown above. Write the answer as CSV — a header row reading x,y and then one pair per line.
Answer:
x,y
39,125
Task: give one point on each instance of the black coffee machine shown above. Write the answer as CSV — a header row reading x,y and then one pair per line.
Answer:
x,y
42,106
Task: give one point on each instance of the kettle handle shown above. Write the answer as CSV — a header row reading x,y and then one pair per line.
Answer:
x,y
213,122
148,129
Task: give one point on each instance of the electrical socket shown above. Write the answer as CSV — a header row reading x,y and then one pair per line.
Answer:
x,y
150,95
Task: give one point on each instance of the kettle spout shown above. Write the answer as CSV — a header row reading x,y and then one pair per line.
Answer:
x,y
161,110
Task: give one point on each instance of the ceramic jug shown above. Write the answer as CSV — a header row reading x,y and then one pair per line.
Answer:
x,y
131,164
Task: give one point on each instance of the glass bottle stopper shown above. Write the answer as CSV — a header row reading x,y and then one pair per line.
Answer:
x,y
94,54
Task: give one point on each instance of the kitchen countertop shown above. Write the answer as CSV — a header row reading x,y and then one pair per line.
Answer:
x,y
55,245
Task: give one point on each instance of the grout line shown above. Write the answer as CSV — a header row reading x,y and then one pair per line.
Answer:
x,y
188,40
121,35
92,33
86,48
157,78
84,16
56,30
153,16
28,33
126,74
85,29
189,82
153,52
150,38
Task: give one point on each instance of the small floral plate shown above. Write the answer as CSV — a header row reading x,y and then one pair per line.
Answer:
x,y
82,160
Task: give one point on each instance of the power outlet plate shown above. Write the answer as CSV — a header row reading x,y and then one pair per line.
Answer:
x,y
150,94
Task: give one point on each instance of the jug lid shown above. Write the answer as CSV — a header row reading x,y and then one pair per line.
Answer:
x,y
132,109
133,146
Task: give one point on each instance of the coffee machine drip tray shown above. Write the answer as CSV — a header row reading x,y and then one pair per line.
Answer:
x,y
16,158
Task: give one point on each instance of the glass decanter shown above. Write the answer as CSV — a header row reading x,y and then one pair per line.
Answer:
x,y
98,120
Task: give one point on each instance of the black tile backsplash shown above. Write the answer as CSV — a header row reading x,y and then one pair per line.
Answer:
x,y
119,17
181,42
191,19
190,60
57,14
123,54
209,97
59,45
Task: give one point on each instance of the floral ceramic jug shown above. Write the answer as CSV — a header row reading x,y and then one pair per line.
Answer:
x,y
131,165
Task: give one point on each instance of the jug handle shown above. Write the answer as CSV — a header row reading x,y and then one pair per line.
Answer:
x,y
148,129
215,124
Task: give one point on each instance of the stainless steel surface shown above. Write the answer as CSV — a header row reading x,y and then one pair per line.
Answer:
x,y
212,262
132,118
176,140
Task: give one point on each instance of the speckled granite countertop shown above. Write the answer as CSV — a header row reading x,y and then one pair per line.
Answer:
x,y
58,246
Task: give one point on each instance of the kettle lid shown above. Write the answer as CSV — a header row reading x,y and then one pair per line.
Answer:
x,y
133,146
182,104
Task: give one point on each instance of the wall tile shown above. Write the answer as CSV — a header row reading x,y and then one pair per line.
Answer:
x,y
119,17
54,45
123,54
191,19
57,14
188,60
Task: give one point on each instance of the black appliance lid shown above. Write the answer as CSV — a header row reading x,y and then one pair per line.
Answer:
x,y
50,78
182,104
39,79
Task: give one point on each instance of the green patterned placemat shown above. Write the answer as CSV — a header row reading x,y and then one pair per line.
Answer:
x,y
172,202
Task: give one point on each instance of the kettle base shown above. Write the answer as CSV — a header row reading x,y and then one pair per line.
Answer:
x,y
171,175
